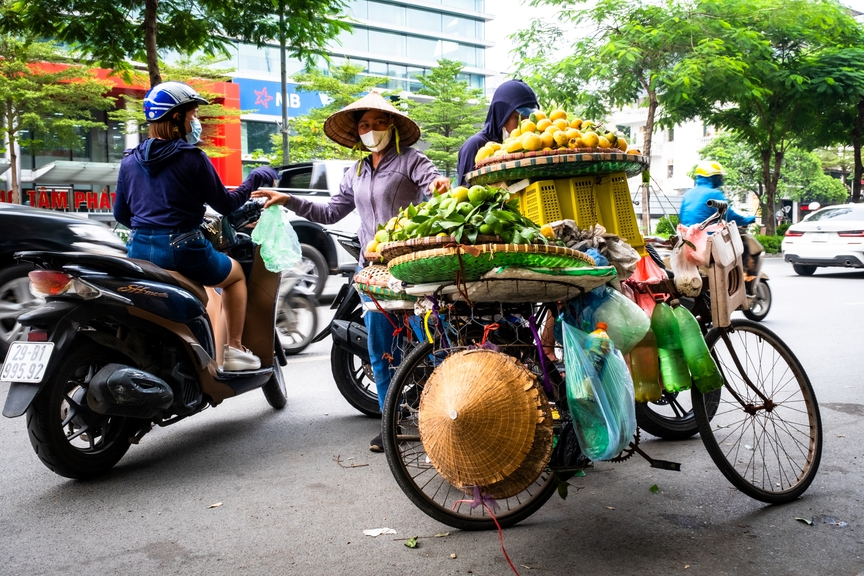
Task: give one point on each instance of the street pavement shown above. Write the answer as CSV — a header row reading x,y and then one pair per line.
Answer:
x,y
244,489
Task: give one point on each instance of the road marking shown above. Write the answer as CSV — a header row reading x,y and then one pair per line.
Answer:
x,y
307,358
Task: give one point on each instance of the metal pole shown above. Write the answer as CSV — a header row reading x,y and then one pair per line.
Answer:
x,y
282,66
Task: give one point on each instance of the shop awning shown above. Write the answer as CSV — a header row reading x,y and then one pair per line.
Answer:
x,y
84,173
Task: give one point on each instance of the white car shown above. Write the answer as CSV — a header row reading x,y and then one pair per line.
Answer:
x,y
832,236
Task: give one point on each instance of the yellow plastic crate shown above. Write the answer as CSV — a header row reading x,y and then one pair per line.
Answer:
x,y
539,202
616,209
577,200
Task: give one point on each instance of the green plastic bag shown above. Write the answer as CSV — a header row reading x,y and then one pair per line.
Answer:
x,y
280,248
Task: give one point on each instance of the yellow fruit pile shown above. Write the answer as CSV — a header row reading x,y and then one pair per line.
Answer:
x,y
539,132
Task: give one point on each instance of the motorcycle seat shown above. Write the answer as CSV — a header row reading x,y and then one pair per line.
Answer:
x,y
173,278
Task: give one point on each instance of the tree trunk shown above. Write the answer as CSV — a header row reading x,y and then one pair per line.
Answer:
x,y
771,176
858,170
646,175
150,7
13,157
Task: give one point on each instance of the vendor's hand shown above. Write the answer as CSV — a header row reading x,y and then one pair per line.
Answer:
x,y
273,197
439,185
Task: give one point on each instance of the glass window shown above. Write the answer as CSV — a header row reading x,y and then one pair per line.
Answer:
x,y
670,169
424,20
358,9
353,41
670,137
264,59
387,13
479,57
377,68
256,136
464,4
479,29
457,26
424,49
387,43
841,213
116,141
397,71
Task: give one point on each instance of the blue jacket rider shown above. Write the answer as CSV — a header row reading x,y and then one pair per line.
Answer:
x,y
709,179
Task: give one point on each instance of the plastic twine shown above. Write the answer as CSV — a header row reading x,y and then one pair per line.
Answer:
x,y
426,325
488,502
396,329
547,385
435,309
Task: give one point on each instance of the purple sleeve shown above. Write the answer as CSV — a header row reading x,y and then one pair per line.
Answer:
x,y
422,171
336,209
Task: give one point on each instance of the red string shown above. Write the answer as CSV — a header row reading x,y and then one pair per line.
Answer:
x,y
396,329
500,532
486,329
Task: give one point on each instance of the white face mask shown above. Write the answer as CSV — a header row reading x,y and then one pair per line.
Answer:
x,y
376,140
505,134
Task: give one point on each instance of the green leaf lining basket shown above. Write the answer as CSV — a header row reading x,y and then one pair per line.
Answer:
x,y
547,165
443,264
391,250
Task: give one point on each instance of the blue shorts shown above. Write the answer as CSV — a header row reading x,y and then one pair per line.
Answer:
x,y
187,252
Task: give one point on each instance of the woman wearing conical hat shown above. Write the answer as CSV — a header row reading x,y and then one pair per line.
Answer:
x,y
393,176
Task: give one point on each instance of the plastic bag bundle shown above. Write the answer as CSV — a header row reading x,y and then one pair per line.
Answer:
x,y
280,248
696,247
602,408
627,322
687,278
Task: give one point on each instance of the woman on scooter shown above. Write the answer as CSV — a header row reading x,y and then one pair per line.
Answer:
x,y
162,187
391,177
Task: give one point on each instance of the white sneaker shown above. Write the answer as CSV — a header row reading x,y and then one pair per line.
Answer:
x,y
234,360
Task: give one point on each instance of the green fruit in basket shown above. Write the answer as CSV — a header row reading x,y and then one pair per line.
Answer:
x,y
410,227
464,208
460,193
477,194
423,212
382,236
485,229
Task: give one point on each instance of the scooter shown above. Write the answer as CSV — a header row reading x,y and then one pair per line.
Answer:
x,y
756,281
122,345
349,356
296,314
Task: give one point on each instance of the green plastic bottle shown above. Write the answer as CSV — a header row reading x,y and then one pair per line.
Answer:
x,y
706,376
645,369
673,365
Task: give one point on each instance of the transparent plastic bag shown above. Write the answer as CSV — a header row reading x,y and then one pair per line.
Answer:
x,y
696,247
687,278
627,322
280,248
603,408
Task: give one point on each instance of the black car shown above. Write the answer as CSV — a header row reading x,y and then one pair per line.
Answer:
x,y
26,228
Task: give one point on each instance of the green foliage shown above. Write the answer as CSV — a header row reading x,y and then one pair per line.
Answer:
x,y
770,243
55,105
761,69
666,225
782,228
113,33
803,178
451,117
342,85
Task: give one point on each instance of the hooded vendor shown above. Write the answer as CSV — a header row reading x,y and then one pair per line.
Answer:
x,y
513,100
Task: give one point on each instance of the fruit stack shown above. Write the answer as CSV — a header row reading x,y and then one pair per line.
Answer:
x,y
555,133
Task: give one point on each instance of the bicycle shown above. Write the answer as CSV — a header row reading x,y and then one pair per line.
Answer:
x,y
762,428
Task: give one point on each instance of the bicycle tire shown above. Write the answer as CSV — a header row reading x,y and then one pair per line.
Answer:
x,y
773,469
418,478
668,418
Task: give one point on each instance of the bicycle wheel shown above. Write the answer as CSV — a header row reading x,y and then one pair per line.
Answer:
x,y
766,433
415,473
670,417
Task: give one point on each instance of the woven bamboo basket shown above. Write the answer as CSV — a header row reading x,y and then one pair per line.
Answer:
x,y
443,264
391,250
375,257
561,165
484,422
375,280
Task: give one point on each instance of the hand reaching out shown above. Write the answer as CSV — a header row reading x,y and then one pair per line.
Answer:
x,y
440,184
273,197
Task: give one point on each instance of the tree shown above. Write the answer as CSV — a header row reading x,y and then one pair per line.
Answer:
x,y
759,68
113,32
743,170
628,56
802,178
451,117
341,86
53,102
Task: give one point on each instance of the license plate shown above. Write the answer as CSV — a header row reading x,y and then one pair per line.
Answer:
x,y
819,237
26,361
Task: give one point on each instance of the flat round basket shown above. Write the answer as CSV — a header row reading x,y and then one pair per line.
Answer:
x,y
375,280
508,284
479,418
443,264
373,257
381,293
392,250
547,165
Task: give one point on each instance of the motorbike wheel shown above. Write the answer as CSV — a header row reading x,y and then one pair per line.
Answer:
x,y
69,438
313,270
671,417
761,304
354,378
15,299
296,322
274,390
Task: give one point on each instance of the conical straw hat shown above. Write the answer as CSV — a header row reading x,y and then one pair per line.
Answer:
x,y
477,418
341,127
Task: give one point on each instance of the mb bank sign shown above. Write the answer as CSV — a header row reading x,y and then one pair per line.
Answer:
x,y
265,97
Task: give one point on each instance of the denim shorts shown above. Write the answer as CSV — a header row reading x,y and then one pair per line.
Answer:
x,y
185,251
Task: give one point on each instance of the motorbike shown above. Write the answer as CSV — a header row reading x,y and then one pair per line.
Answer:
x,y
296,313
755,280
122,345
349,355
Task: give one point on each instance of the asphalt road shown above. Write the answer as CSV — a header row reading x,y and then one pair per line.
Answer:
x,y
286,506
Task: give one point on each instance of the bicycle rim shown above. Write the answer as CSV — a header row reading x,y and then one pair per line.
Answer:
x,y
768,447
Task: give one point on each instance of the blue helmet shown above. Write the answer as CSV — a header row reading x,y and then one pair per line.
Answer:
x,y
165,97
